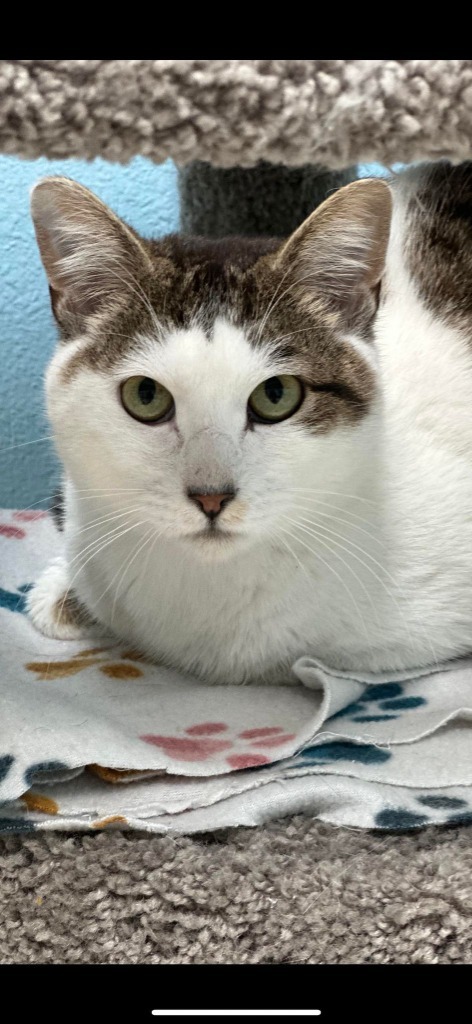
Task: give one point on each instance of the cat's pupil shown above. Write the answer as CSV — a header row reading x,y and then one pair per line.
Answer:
x,y
274,389
147,390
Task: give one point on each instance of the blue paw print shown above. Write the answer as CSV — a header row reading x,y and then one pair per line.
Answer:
x,y
14,600
349,710
16,825
344,751
461,818
43,768
12,824
6,762
387,696
441,802
402,703
381,691
399,818
374,718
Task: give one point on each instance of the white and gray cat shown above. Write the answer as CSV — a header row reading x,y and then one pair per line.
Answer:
x,y
267,445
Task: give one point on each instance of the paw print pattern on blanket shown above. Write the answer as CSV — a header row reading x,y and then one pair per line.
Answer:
x,y
402,819
15,600
438,802
6,762
30,515
14,532
378,702
46,670
198,744
38,773
16,825
39,803
398,818
343,750
43,771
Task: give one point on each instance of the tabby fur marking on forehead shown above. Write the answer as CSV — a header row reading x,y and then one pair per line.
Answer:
x,y
196,280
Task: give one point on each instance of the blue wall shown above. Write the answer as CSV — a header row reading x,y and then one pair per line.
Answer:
x,y
143,194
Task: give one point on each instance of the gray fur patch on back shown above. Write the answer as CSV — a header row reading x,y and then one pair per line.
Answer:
x,y
438,238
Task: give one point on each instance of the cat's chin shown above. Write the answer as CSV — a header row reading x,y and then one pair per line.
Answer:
x,y
213,545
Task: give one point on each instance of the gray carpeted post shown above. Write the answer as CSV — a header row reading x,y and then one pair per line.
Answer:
x,y
268,199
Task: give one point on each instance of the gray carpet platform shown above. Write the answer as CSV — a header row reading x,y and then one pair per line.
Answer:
x,y
237,112
294,891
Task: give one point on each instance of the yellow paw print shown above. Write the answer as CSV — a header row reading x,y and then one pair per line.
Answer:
x,y
122,669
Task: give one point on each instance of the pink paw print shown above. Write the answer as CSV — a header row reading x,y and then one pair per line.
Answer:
x,y
23,516
199,743
13,532
30,515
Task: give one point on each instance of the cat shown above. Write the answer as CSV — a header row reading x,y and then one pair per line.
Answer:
x,y
267,443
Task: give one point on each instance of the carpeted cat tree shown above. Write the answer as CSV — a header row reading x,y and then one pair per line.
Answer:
x,y
229,123
259,144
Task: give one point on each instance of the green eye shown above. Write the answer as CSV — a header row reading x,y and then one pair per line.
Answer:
x,y
146,399
276,399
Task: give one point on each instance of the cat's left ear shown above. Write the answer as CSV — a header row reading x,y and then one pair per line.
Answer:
x,y
91,257
337,256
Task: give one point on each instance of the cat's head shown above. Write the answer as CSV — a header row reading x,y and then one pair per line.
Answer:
x,y
209,386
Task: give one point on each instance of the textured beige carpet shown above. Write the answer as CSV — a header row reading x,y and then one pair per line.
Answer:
x,y
237,112
294,891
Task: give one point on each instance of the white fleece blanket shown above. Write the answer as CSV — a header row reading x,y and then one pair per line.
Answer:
x,y
93,736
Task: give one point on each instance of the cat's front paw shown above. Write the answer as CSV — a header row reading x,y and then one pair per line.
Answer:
x,y
54,609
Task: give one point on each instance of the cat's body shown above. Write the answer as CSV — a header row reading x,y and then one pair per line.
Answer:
x,y
349,523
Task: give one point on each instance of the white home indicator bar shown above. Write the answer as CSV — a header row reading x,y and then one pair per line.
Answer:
x,y
236,1013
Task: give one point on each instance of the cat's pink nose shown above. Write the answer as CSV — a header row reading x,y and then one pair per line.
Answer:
x,y
211,504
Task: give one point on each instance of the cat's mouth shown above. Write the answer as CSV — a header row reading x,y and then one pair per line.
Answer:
x,y
212,535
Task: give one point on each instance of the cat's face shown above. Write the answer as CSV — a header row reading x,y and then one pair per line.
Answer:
x,y
206,389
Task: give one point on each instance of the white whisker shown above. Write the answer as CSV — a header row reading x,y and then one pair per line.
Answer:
x,y
95,543
339,494
325,543
23,444
94,553
111,517
372,572
331,569
133,556
339,519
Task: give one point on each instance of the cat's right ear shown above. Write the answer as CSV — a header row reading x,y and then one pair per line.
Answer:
x,y
90,256
337,256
